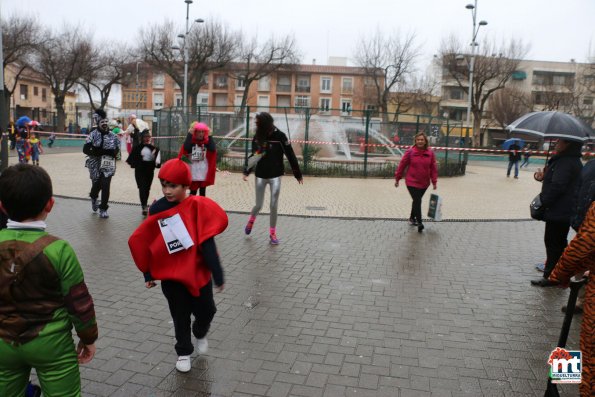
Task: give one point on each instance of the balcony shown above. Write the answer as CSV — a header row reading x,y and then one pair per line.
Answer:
x,y
283,87
219,85
302,88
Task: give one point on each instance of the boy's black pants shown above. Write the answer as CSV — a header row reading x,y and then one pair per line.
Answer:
x,y
181,305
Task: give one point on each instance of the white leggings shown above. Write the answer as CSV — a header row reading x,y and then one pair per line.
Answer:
x,y
261,184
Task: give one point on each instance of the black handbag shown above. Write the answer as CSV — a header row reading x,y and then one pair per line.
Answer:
x,y
537,209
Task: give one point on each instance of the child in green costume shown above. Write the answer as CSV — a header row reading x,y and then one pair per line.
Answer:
x,y
42,293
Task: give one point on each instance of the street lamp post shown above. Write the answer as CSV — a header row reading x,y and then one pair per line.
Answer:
x,y
474,44
185,54
136,94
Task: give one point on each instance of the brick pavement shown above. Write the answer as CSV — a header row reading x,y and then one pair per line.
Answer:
x,y
340,308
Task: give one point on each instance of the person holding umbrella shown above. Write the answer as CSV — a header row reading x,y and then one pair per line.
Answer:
x,y
560,180
560,177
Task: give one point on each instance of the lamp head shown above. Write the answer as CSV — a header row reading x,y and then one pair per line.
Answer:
x,y
181,36
199,20
483,23
188,2
469,6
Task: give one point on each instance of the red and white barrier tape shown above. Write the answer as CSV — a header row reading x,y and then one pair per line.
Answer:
x,y
394,146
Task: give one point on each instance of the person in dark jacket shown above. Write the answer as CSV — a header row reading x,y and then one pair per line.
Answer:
x,y
144,158
586,194
558,195
268,147
514,156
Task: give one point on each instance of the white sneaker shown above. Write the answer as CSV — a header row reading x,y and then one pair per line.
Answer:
x,y
202,345
183,364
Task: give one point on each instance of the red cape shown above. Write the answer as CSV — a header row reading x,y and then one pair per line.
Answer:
x,y
211,161
203,219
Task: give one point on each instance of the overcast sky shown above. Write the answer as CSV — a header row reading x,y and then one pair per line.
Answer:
x,y
556,30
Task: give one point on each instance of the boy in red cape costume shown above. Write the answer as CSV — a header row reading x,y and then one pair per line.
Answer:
x,y
185,271
201,150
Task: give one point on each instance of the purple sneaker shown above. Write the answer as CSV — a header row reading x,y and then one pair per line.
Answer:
x,y
274,239
248,228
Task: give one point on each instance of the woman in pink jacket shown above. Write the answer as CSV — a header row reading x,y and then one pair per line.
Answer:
x,y
420,163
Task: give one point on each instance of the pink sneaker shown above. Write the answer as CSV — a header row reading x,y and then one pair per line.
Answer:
x,y
248,228
274,239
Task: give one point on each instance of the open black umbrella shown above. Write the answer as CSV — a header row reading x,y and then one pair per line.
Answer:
x,y
553,125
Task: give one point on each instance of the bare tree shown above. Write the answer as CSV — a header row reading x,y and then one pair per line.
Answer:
x,y
387,61
509,104
62,58
258,61
419,94
106,69
493,67
210,46
20,35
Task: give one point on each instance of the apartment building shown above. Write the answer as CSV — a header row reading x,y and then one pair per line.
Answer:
x,y
330,90
563,86
33,97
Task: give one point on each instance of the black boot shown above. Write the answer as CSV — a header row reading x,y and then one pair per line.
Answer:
x,y
420,227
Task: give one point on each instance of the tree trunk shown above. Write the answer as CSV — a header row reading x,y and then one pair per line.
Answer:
x,y
61,114
477,130
244,99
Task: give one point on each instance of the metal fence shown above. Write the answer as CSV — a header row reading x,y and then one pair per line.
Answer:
x,y
356,143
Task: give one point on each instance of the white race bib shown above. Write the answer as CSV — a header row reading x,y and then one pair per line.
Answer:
x,y
175,234
198,153
108,163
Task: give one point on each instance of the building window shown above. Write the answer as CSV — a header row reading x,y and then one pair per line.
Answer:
x,y
302,101
202,99
326,84
283,83
36,91
456,93
204,81
221,82
588,101
538,98
157,100
264,84
303,84
345,107
240,83
538,79
347,85
44,95
325,104
159,80
179,100
24,89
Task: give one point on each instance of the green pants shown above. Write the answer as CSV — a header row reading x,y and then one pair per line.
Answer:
x,y
54,359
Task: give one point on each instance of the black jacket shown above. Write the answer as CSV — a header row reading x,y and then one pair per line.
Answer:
x,y
560,185
135,159
514,155
271,163
586,194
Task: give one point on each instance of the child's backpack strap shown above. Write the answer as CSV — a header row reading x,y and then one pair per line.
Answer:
x,y
29,289
31,252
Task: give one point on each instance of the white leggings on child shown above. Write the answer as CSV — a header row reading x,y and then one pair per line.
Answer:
x,y
275,186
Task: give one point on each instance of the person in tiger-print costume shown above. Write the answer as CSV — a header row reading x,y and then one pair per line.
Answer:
x,y
579,257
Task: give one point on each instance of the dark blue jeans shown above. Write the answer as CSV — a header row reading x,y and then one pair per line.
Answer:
x,y
516,168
